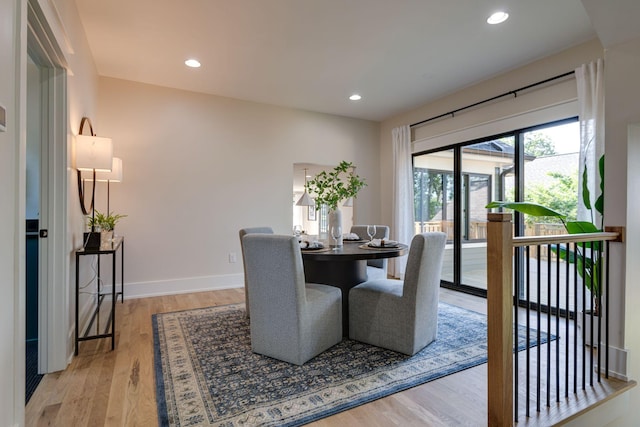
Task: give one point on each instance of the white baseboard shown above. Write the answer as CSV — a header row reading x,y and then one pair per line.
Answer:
x,y
182,286
617,363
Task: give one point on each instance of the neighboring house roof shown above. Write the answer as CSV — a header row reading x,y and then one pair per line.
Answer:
x,y
493,148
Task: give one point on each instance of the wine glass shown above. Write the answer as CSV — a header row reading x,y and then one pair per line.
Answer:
x,y
371,231
336,233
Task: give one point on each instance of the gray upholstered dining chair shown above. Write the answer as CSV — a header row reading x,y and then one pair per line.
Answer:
x,y
401,315
242,233
290,320
376,268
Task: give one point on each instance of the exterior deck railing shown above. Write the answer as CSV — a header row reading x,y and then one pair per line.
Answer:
x,y
566,365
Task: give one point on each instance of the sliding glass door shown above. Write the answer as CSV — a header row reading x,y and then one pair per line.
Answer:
x,y
453,186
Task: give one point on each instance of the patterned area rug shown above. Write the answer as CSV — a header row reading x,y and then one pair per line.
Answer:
x,y
207,375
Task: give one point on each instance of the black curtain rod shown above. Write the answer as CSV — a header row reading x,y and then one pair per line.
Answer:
x,y
511,92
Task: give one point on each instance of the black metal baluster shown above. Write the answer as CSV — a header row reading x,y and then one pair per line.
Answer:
x,y
528,332
516,281
591,339
538,325
584,319
549,305
566,323
606,313
576,313
557,344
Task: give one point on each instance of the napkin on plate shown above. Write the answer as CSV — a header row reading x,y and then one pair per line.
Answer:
x,y
381,243
350,236
305,244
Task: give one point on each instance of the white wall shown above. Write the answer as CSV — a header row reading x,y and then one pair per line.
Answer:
x,y
197,168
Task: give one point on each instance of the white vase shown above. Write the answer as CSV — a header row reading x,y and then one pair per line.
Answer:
x,y
106,237
335,220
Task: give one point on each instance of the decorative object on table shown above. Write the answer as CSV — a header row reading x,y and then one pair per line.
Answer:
x,y
91,240
371,231
382,243
106,224
95,154
311,245
336,235
330,188
205,350
351,237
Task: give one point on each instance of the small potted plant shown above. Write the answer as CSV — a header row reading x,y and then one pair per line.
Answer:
x,y
105,223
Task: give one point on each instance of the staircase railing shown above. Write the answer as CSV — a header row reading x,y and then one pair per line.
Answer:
x,y
566,365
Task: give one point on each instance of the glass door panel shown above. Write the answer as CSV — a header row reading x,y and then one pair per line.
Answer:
x,y
433,192
551,179
487,174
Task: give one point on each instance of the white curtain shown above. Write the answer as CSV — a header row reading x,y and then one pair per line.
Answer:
x,y
403,221
590,81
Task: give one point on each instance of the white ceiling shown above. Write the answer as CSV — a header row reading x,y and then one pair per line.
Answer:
x,y
312,54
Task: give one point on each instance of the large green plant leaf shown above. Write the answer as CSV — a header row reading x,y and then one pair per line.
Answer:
x,y
600,201
577,227
586,194
589,271
527,208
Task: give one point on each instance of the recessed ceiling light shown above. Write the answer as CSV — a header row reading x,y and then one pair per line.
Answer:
x,y
193,63
355,97
498,18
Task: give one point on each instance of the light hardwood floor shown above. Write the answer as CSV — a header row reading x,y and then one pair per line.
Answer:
x,y
117,388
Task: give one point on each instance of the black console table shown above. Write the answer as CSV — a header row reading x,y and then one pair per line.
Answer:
x,y
95,329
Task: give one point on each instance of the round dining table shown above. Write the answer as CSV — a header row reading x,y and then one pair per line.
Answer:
x,y
344,267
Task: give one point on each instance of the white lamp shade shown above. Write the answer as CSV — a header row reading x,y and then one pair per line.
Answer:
x,y
93,152
114,176
305,200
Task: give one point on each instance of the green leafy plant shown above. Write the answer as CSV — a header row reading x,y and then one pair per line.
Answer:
x,y
330,188
586,256
105,222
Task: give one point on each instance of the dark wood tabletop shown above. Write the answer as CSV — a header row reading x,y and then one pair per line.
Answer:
x,y
354,251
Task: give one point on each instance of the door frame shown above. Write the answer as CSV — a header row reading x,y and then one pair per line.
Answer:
x,y
53,288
